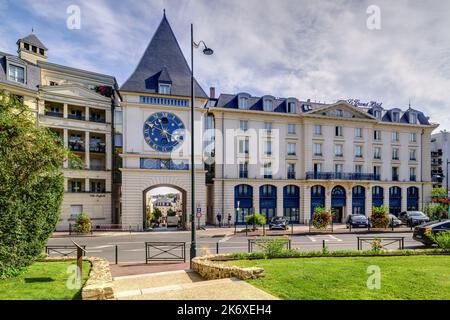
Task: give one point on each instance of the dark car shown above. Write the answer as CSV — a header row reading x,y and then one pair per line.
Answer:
x,y
279,223
395,222
357,221
434,227
414,218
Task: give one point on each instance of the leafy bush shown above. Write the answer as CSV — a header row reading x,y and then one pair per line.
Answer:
x,y
295,253
322,218
83,223
376,245
442,239
439,193
274,247
171,213
380,217
255,219
31,188
436,211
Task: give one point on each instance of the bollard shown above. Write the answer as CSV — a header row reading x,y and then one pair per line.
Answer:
x,y
324,245
217,247
117,254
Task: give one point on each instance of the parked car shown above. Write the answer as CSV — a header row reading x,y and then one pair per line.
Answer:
x,y
433,227
413,218
395,222
357,221
279,223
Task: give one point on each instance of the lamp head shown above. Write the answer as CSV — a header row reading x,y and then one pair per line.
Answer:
x,y
208,51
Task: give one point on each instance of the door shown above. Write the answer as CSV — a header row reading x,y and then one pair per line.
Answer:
x,y
338,213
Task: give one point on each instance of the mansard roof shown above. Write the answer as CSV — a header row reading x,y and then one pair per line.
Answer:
x,y
231,101
163,60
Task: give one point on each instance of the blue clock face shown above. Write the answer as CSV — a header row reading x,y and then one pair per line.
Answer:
x,y
164,131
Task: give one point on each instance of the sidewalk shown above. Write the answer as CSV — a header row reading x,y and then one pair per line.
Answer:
x,y
184,285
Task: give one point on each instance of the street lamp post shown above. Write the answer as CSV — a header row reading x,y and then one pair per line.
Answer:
x,y
206,51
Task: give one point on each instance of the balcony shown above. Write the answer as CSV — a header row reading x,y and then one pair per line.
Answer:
x,y
97,119
77,146
54,114
342,176
291,175
76,117
97,147
412,178
395,177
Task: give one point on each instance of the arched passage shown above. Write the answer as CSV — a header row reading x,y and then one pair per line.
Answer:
x,y
243,202
338,202
359,200
166,198
377,196
317,197
395,200
291,203
268,201
413,199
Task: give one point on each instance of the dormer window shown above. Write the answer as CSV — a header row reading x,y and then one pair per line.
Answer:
x,y
16,73
268,105
413,118
243,103
164,88
26,46
396,116
339,113
377,114
291,107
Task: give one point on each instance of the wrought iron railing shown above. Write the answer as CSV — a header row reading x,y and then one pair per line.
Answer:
x,y
341,176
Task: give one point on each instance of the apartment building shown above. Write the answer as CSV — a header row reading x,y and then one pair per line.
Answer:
x,y
78,106
440,156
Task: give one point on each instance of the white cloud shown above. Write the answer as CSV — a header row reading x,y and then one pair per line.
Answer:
x,y
308,49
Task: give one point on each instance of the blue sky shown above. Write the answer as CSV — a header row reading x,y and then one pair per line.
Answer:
x,y
321,50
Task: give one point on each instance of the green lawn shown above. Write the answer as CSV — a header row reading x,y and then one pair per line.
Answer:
x,y
43,281
407,277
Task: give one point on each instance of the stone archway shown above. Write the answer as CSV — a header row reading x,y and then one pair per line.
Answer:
x,y
183,199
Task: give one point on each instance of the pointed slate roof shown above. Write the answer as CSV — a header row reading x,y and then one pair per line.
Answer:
x,y
33,40
163,61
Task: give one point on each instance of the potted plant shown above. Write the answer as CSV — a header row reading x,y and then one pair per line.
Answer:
x,y
322,218
380,217
83,223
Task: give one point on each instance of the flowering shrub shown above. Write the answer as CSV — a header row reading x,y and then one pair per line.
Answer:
x,y
322,218
83,223
380,217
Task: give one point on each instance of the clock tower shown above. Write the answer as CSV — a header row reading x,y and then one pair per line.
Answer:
x,y
156,127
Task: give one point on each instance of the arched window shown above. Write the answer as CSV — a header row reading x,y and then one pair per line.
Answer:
x,y
291,203
317,197
359,200
395,200
243,201
377,196
268,201
413,199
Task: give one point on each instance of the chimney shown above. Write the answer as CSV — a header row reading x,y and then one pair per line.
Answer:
x,y
212,93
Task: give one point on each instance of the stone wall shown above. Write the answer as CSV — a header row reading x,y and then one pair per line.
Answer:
x,y
99,285
210,268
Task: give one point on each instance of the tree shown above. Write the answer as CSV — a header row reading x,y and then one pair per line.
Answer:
x,y
157,214
31,185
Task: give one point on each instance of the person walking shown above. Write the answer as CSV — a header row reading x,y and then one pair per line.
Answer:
x,y
219,219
